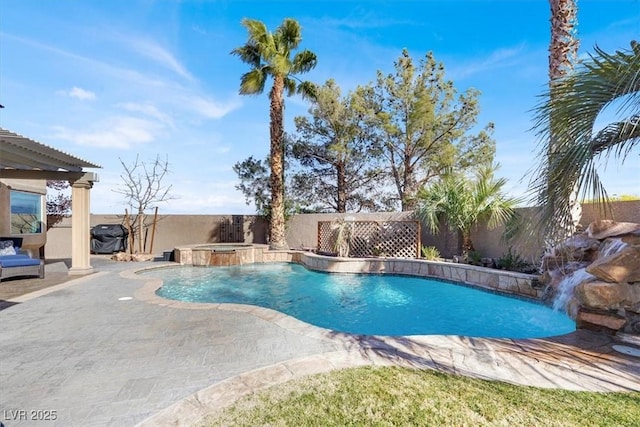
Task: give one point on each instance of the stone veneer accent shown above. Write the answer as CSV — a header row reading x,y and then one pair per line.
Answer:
x,y
507,282
598,271
519,284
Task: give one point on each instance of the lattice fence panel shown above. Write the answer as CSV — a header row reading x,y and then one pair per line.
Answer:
x,y
397,239
364,238
326,237
400,239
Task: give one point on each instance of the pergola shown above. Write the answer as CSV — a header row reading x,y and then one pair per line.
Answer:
x,y
26,159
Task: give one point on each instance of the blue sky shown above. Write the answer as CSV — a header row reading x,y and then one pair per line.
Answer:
x,y
111,80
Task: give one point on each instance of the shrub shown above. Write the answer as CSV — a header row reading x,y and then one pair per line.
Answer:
x,y
430,253
512,261
474,258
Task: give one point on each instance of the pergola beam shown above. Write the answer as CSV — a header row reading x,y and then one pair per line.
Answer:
x,y
25,159
44,174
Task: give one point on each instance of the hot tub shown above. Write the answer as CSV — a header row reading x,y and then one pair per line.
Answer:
x,y
219,254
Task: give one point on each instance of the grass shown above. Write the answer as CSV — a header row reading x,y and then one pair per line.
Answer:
x,y
373,396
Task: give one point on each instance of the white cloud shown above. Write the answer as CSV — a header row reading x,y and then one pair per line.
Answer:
x,y
499,58
148,110
157,53
212,197
131,77
198,29
143,85
79,93
209,108
116,132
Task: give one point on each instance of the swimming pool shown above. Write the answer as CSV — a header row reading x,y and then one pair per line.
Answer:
x,y
365,303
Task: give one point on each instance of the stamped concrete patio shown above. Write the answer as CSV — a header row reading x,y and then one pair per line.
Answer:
x,y
105,350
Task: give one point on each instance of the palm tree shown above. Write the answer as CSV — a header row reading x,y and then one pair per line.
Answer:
x,y
269,55
563,50
462,203
568,112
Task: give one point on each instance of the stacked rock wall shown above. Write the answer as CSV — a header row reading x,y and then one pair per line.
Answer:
x,y
595,276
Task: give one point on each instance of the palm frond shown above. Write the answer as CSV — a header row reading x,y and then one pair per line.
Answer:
x,y
253,82
303,61
258,33
260,38
249,54
564,122
290,86
281,65
307,90
620,137
289,35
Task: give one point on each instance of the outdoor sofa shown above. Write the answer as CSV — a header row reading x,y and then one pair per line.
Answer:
x,y
15,262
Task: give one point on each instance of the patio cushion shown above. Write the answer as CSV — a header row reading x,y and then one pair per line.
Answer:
x,y
8,261
6,248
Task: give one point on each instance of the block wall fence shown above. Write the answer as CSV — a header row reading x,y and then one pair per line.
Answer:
x,y
178,230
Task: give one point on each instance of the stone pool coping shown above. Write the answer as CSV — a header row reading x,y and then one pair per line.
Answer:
x,y
502,281
581,360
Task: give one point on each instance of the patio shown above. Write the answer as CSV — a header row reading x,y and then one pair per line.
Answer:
x,y
101,350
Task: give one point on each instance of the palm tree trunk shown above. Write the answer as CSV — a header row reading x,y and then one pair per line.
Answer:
x,y
467,244
563,50
276,160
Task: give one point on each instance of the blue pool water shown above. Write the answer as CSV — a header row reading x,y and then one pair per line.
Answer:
x,y
363,303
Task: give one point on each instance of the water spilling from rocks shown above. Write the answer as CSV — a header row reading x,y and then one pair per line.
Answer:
x,y
565,291
595,277
611,246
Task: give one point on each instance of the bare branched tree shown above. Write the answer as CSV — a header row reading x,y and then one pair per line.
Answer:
x,y
143,189
58,202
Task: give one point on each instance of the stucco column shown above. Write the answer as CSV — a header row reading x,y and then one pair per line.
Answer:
x,y
80,227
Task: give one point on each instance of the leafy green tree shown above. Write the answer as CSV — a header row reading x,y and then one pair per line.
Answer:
x,y
462,203
269,55
423,125
254,184
568,112
338,172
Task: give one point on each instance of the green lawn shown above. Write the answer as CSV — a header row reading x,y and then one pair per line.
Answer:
x,y
404,397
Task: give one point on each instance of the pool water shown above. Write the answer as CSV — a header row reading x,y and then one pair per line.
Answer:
x,y
365,303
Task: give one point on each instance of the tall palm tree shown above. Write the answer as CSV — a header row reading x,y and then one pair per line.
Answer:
x,y
568,112
563,51
462,203
563,47
269,55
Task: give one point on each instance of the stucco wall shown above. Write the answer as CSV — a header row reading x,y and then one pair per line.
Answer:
x,y
489,243
171,231
302,231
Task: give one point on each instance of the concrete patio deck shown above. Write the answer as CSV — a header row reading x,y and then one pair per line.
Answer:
x,y
103,350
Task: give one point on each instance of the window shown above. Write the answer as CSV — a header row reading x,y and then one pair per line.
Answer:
x,y
26,212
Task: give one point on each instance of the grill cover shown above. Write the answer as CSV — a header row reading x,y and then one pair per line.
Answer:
x,y
108,238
